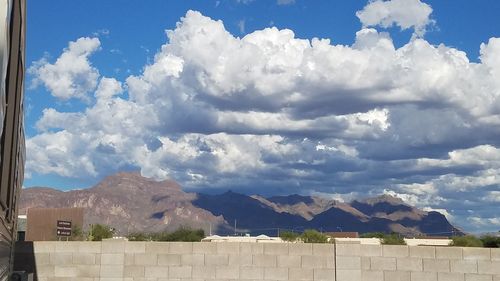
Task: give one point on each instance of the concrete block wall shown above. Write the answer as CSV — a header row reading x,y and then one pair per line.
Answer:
x,y
160,261
416,263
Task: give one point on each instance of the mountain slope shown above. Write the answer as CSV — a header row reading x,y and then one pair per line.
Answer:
x,y
130,202
406,219
306,206
247,211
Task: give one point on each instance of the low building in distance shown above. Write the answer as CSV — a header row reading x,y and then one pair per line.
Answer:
x,y
247,238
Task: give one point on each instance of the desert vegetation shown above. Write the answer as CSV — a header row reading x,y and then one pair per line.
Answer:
x,y
486,241
308,236
183,234
98,232
386,239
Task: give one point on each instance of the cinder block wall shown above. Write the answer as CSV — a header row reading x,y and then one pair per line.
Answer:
x,y
158,261
417,263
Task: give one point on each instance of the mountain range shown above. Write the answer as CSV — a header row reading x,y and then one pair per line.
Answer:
x,y
131,203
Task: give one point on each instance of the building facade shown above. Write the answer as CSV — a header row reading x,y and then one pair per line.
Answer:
x,y
42,223
12,149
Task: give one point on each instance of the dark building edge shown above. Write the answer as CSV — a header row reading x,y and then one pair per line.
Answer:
x,y
12,151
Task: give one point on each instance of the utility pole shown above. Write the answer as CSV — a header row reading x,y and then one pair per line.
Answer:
x,y
234,227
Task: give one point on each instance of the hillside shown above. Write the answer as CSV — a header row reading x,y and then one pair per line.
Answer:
x,y
130,202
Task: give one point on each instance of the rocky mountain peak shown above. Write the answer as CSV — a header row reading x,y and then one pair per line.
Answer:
x,y
134,182
130,202
384,198
291,199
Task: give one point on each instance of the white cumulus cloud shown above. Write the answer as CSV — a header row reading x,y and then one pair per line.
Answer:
x,y
72,75
402,13
271,111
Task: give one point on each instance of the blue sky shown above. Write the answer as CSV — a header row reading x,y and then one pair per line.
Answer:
x,y
404,103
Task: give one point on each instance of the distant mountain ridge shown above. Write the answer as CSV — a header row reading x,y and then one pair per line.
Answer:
x,y
131,203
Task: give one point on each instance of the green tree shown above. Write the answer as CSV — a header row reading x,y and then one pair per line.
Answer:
x,y
159,236
98,232
77,233
466,241
186,234
393,239
313,236
289,236
490,241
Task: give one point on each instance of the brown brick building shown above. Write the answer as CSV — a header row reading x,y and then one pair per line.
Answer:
x,y
42,222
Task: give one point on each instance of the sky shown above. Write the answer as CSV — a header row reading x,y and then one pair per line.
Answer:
x,y
342,99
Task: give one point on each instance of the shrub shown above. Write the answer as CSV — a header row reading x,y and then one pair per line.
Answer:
x,y
186,235
159,236
393,239
387,239
139,236
183,234
466,241
98,232
313,236
373,235
77,233
490,241
289,236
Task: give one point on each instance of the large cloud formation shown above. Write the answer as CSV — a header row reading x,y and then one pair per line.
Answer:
x,y
273,113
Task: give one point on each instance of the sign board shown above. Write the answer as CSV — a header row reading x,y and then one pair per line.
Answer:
x,y
63,228
64,224
63,232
